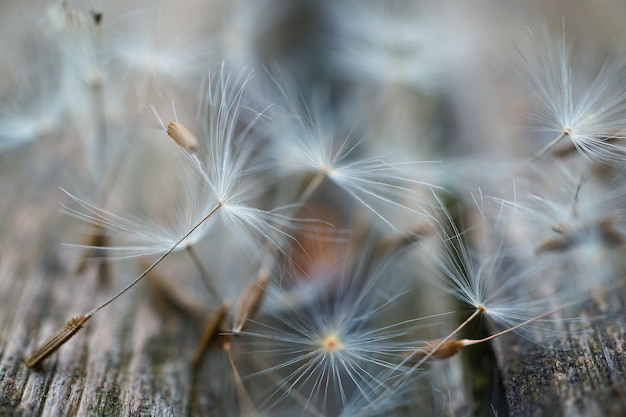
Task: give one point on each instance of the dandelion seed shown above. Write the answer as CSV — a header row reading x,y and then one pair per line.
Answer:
x,y
501,283
306,139
50,345
574,222
159,54
222,181
65,333
229,176
589,111
178,132
332,349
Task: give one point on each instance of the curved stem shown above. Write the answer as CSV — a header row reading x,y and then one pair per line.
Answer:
x,y
155,263
206,277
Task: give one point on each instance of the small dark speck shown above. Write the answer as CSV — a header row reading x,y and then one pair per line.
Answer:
x,y
97,17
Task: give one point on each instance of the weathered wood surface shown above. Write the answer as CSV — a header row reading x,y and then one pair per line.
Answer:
x,y
129,361
583,375
135,361
134,358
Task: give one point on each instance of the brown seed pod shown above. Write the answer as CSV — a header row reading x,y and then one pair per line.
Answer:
x,y
51,344
433,349
250,301
182,136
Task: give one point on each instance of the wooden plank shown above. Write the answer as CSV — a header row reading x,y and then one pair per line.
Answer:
x,y
582,375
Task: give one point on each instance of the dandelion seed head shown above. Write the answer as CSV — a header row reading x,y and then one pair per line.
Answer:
x,y
567,210
154,57
588,108
484,268
332,349
224,175
331,343
306,138
396,42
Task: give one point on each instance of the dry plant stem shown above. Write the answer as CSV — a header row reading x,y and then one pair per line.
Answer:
x,y
566,132
70,328
267,264
457,344
97,238
570,148
206,277
211,331
169,298
246,407
158,261
98,108
100,116
250,300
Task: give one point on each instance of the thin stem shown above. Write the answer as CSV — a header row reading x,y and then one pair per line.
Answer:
x,y
246,407
206,277
269,259
542,151
155,263
445,339
98,100
468,342
311,188
99,111
406,375
211,332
